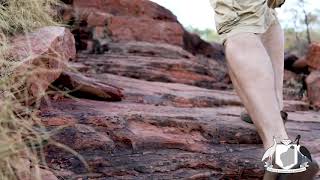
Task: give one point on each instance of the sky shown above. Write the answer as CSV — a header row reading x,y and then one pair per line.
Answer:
x,y
199,14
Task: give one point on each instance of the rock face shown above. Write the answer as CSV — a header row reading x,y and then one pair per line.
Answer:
x,y
43,55
313,56
138,20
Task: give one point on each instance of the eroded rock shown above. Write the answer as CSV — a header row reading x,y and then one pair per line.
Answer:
x,y
42,57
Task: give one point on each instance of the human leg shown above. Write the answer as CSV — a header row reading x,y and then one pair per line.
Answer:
x,y
273,41
252,74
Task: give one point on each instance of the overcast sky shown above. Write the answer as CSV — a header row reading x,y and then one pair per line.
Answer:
x,y
199,14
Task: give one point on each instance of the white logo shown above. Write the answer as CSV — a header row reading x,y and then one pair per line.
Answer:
x,y
286,157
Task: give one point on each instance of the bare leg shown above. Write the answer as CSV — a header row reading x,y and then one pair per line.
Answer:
x,y
252,74
273,41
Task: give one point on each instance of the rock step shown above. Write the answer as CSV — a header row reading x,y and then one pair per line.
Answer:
x,y
116,139
197,71
224,163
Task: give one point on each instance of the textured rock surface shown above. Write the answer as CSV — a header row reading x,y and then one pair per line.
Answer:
x,y
137,140
43,55
85,87
176,119
313,56
160,130
156,64
135,20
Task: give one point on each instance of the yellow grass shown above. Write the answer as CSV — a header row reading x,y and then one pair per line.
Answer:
x,y
21,133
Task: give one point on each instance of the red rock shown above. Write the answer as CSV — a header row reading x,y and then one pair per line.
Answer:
x,y
313,85
138,20
86,87
313,56
124,28
165,139
97,18
159,62
128,8
43,55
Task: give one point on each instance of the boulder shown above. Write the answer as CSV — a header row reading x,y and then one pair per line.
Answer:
x,y
313,85
313,56
42,57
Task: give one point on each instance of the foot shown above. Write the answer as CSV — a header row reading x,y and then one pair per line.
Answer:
x,y
246,118
304,157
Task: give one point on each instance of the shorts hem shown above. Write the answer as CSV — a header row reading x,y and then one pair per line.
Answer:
x,y
245,29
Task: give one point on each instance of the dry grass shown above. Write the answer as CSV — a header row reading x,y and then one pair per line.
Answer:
x,y
21,133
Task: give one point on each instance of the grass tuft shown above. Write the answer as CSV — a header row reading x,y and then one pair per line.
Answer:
x,y
21,132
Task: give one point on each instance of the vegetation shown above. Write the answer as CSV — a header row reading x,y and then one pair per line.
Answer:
x,y
21,133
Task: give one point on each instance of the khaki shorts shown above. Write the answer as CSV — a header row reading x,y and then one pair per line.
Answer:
x,y
237,16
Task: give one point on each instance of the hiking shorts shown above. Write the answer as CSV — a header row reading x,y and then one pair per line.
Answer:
x,y
238,16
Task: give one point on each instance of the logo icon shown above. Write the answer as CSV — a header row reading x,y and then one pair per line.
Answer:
x,y
287,157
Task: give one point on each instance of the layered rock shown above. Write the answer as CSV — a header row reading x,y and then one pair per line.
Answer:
x,y
154,64
148,139
42,57
170,123
138,20
85,87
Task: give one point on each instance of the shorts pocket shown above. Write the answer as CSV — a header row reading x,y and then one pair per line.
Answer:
x,y
226,15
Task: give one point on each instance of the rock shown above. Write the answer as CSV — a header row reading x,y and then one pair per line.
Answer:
x,y
139,20
198,71
313,56
149,49
300,66
43,55
169,94
313,85
289,60
97,18
194,44
86,87
138,8
150,140
125,28
82,137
